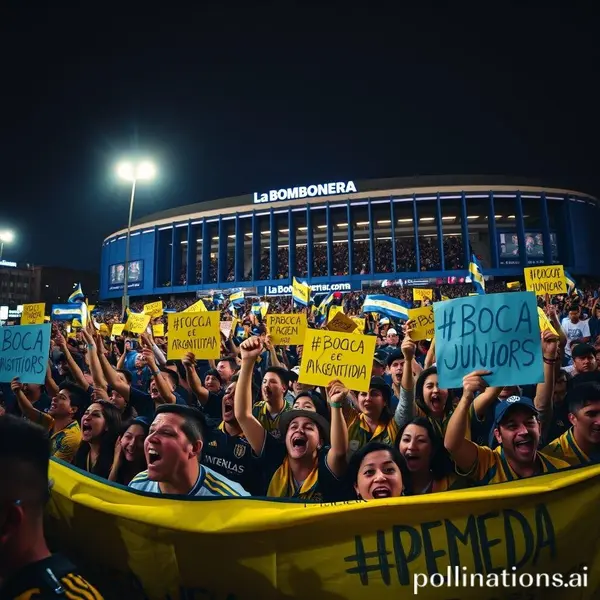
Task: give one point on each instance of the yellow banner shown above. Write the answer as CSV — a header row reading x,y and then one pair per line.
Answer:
x,y
33,314
104,330
334,310
422,294
545,323
137,323
360,325
329,355
286,329
117,329
154,309
196,307
158,330
341,323
546,280
194,332
147,547
424,326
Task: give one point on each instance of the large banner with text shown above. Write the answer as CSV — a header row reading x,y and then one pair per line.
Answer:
x,y
157,548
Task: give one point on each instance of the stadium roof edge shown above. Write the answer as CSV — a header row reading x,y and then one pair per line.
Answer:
x,y
366,188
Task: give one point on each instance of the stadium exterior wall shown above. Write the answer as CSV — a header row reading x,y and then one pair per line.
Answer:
x,y
425,233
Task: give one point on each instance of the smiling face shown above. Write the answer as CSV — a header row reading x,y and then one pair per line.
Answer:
x,y
60,406
434,397
93,423
378,477
132,443
519,434
586,423
371,403
302,438
272,388
167,448
416,447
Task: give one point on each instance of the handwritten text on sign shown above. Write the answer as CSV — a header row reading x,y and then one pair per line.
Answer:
x,y
496,332
546,280
137,323
287,329
24,352
194,332
341,323
423,318
33,314
422,294
329,355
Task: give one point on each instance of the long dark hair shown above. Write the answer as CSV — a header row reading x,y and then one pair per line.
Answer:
x,y
112,416
127,470
441,463
358,457
419,392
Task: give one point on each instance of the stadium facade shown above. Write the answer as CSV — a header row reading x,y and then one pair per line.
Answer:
x,y
349,234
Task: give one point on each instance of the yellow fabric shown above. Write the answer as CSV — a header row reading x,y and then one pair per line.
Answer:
x,y
359,433
283,485
65,442
566,448
283,549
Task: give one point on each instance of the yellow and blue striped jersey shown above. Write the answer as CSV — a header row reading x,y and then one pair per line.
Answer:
x,y
271,424
491,466
359,433
209,483
566,448
65,442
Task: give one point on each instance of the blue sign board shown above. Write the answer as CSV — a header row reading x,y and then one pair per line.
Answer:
x,y
24,351
494,332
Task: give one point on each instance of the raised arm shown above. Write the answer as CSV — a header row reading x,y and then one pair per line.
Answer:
x,y
430,358
337,457
545,391
51,385
201,393
77,373
405,409
167,396
33,414
272,353
93,351
242,405
462,450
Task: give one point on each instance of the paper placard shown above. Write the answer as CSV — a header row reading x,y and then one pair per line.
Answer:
x,y
341,323
545,323
154,309
194,332
117,329
422,294
329,355
24,352
158,330
33,314
197,307
424,327
546,280
287,329
137,322
494,332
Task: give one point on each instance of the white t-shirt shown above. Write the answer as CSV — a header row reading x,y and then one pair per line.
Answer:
x,y
574,331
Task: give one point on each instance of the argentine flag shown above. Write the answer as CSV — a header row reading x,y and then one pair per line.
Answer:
x,y
386,305
76,294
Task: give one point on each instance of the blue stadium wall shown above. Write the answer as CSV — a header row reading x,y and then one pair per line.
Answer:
x,y
171,257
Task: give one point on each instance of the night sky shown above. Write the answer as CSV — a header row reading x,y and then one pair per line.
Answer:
x,y
232,101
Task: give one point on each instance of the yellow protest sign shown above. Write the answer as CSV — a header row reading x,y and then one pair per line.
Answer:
x,y
117,329
154,309
331,355
158,330
422,294
341,323
360,325
104,330
286,329
196,307
545,323
546,280
541,526
334,310
33,314
424,325
76,323
137,322
194,332
513,285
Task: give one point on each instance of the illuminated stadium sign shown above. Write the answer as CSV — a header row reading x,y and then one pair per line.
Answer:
x,y
323,189
317,288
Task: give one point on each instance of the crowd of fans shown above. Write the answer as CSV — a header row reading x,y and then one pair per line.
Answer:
x,y
243,424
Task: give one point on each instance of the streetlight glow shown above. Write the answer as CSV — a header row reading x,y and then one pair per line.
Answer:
x,y
7,236
129,171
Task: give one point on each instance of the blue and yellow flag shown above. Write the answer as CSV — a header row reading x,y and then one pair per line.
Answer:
x,y
386,305
300,292
571,285
513,285
76,294
476,275
237,298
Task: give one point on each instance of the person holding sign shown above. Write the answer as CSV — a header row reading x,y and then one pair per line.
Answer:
x,y
517,429
301,465
61,421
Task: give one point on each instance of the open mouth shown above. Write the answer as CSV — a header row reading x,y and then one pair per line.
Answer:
x,y
436,403
381,492
86,428
153,457
228,409
524,446
299,442
412,459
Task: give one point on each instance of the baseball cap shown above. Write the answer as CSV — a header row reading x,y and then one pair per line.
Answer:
x,y
503,406
380,358
379,383
295,370
392,356
392,331
581,350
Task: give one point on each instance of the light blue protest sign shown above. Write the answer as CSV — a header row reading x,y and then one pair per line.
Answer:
x,y
24,352
496,332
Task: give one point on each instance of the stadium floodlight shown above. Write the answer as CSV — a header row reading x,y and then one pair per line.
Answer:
x,y
6,237
132,171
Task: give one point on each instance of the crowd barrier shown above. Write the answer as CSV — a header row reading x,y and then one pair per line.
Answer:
x,y
137,546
